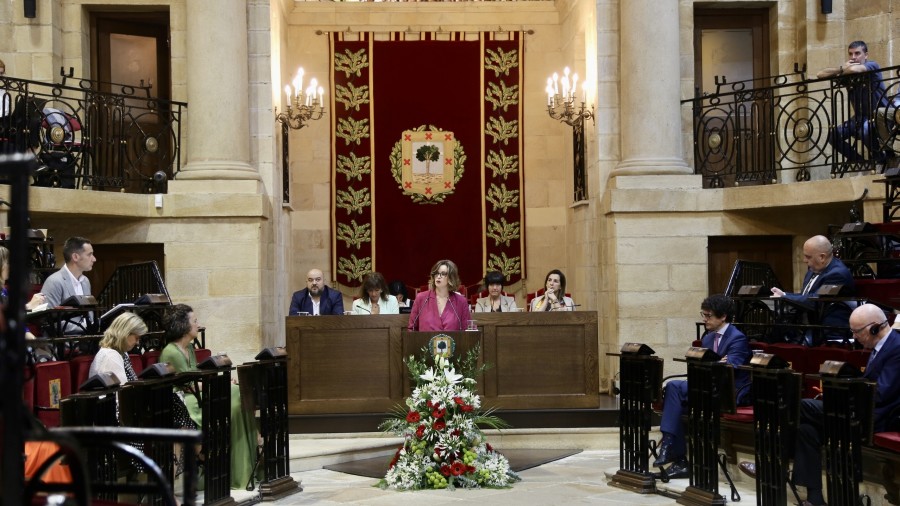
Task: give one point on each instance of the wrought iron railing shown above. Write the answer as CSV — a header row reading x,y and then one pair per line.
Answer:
x,y
85,136
752,132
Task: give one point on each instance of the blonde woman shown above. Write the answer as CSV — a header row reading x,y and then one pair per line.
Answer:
x,y
121,337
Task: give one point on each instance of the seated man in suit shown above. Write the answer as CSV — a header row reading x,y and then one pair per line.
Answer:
x,y
70,280
872,330
824,269
734,348
316,298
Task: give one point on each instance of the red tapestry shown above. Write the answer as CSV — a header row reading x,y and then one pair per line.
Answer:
x,y
427,155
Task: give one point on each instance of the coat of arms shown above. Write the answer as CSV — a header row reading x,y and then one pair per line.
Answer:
x,y
427,162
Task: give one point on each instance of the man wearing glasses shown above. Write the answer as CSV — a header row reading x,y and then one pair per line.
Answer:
x,y
872,330
824,269
317,298
729,343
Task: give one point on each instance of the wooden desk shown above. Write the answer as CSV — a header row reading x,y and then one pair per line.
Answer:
x,y
354,364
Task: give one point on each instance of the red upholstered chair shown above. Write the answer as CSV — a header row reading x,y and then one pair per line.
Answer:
x,y
52,383
137,363
28,389
743,414
80,366
859,358
889,440
151,357
202,354
531,296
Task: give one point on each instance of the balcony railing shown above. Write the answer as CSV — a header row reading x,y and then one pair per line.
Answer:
x,y
761,131
85,136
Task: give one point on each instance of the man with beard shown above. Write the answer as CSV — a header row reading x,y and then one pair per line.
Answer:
x,y
316,298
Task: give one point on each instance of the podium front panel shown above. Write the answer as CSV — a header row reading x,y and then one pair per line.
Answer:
x,y
354,364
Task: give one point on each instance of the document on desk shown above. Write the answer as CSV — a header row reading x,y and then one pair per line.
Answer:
x,y
115,308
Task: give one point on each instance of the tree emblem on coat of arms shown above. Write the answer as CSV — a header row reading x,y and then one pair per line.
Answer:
x,y
427,163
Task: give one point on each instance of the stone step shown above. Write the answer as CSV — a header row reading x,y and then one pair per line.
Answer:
x,y
313,451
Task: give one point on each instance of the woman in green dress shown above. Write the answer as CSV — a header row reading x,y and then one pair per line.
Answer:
x,y
182,327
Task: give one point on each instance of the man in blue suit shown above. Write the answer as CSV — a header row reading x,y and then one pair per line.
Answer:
x,y
734,348
824,269
316,298
871,329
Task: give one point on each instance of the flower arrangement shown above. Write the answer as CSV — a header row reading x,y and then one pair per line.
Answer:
x,y
444,446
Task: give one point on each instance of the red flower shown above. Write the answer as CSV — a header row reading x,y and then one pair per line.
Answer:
x,y
420,431
489,447
413,417
395,459
457,468
429,404
466,408
456,432
470,469
439,413
459,400
445,470
437,451
439,425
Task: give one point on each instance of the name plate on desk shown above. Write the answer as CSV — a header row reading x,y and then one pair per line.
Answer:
x,y
829,290
215,362
838,369
698,354
750,290
80,301
636,349
768,361
157,370
272,353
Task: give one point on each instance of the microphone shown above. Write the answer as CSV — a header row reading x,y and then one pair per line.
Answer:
x,y
364,309
419,312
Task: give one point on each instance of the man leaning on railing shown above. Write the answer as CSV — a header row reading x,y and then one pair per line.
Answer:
x,y
864,99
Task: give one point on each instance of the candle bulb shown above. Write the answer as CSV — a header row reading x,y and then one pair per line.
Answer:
x,y
287,91
321,92
574,86
555,83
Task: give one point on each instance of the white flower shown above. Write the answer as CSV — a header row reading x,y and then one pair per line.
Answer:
x,y
428,376
451,376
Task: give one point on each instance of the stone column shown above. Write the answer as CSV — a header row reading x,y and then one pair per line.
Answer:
x,y
650,71
217,91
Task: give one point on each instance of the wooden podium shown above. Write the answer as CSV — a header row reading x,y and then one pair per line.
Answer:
x,y
353,365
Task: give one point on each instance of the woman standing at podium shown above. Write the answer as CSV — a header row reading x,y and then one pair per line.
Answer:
x,y
441,307
182,327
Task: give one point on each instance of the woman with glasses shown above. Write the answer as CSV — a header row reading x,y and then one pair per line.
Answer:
x,y
554,297
495,302
441,307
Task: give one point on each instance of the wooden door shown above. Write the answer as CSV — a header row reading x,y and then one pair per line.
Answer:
x,y
723,251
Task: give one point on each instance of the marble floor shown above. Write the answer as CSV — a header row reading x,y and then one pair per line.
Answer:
x,y
579,479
